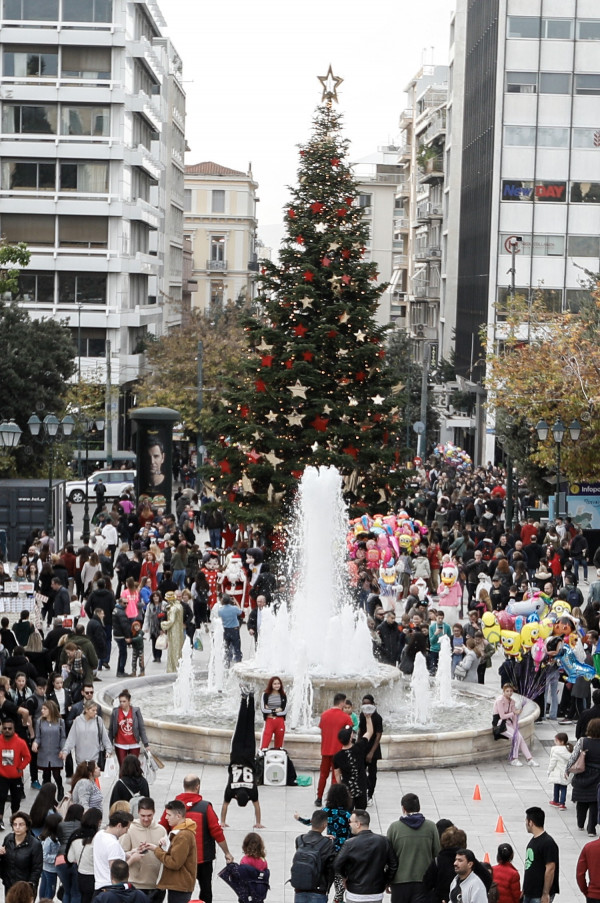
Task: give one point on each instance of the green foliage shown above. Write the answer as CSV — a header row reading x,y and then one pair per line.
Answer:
x,y
313,388
9,275
406,376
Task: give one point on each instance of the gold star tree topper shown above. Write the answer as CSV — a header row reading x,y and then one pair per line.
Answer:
x,y
330,84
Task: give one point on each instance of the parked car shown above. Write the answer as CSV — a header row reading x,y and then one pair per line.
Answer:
x,y
116,481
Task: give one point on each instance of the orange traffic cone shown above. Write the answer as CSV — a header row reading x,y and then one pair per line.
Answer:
x,y
477,793
486,857
499,825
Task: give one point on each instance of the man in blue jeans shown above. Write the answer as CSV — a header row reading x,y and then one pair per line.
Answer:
x,y
313,840
540,881
230,615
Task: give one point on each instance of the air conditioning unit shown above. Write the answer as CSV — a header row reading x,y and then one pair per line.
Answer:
x,y
275,768
435,252
436,211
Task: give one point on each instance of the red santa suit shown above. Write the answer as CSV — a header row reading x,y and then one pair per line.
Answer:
x,y
212,578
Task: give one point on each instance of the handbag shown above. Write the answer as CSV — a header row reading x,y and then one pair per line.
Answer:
x,y
161,641
578,766
101,750
460,672
63,806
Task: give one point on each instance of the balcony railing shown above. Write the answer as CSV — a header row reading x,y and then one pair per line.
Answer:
x,y
216,265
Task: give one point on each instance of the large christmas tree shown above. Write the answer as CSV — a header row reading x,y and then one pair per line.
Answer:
x,y
314,388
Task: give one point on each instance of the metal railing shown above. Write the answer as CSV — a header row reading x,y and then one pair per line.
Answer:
x,y
216,265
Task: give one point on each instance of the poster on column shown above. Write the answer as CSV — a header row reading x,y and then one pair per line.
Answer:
x,y
583,503
154,441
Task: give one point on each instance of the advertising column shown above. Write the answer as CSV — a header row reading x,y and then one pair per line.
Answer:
x,y
153,429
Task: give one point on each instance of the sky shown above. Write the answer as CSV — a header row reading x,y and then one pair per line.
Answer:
x,y
250,72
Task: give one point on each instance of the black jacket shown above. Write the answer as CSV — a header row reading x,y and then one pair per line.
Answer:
x,y
121,893
325,845
126,788
121,625
95,632
367,862
62,602
51,639
21,863
16,663
584,720
440,874
104,599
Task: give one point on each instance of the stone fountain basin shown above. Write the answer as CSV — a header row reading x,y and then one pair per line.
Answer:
x,y
401,751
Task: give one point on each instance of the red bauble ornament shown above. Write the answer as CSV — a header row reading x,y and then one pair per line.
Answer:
x,y
244,411
289,363
262,271
346,254
260,386
377,417
231,497
320,423
308,276
381,353
342,211
302,153
300,240
300,330
308,356
266,360
296,474
225,466
316,207
292,213
360,376
331,334
335,161
350,450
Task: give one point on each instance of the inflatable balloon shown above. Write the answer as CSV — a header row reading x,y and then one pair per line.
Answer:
x,y
519,623
560,607
536,604
529,635
511,643
567,660
538,652
546,626
506,621
491,628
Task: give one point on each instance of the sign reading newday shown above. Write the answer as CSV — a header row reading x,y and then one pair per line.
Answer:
x,y
583,504
513,190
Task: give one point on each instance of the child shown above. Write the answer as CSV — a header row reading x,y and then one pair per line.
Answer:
x,y
50,848
137,647
506,877
250,879
559,756
353,716
458,646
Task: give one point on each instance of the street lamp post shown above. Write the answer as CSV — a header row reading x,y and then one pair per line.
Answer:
x,y
53,430
10,434
88,426
558,434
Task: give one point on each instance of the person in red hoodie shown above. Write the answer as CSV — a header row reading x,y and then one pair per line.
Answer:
x,y
332,722
506,876
14,759
589,862
208,832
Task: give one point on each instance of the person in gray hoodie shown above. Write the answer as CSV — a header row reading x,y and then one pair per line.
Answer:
x,y
87,736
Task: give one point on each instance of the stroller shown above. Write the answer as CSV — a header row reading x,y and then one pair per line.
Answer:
x,y
250,884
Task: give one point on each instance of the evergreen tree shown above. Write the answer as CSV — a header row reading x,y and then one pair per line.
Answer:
x,y
313,389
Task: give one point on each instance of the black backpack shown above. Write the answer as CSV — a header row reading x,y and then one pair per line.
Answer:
x,y
307,865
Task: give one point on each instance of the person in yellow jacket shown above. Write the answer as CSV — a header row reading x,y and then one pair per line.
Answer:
x,y
177,853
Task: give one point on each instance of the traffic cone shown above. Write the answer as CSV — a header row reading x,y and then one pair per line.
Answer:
x,y
477,793
486,857
499,825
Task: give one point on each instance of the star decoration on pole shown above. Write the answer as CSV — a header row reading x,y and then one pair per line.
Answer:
x,y
330,84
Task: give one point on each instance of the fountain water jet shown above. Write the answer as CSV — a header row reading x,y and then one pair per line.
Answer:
x,y
184,688
420,691
216,662
443,677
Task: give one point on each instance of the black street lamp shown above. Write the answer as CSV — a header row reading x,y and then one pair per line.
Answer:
x,y
88,426
558,434
54,430
10,434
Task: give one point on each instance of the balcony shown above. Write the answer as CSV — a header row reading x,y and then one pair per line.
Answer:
x,y
421,253
432,170
420,291
216,265
406,116
401,222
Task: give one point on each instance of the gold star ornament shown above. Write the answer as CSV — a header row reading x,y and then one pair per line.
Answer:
x,y
330,84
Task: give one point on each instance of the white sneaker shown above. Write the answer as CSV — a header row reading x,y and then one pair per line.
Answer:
x,y
516,762
533,763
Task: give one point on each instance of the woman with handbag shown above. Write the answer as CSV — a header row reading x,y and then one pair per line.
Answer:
x,y
584,765
49,740
88,738
505,723
126,729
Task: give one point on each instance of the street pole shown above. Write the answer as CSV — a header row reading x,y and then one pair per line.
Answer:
x,y
509,494
109,436
421,444
50,524
86,503
199,403
557,494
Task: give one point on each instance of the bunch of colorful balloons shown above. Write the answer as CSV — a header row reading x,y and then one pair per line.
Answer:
x,y
386,538
453,455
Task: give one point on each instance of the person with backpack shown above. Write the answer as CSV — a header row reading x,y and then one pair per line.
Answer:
x,y
132,786
312,866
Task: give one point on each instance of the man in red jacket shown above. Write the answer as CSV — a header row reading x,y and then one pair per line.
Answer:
x,y
589,864
331,723
14,759
208,832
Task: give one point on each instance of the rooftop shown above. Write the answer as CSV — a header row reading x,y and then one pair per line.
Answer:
x,y
211,169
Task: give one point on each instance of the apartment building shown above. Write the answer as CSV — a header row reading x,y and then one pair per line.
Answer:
x,y
220,220
91,172
524,165
416,283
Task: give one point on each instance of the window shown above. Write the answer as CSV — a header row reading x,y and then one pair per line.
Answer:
x,y
217,293
25,175
35,287
83,231
589,138
521,82
85,120
33,230
549,136
588,30
551,298
584,246
555,83
88,288
365,200
217,251
25,119
558,29
140,184
92,342
519,135
577,298
142,133
539,246
218,201
587,84
31,10
187,199
87,10
30,62
585,192
523,27
85,62
522,190
88,177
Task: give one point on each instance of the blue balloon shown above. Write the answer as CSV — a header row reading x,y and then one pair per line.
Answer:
x,y
572,667
519,622
533,618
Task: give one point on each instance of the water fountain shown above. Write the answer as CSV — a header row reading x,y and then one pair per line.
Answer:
x,y
319,645
184,688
